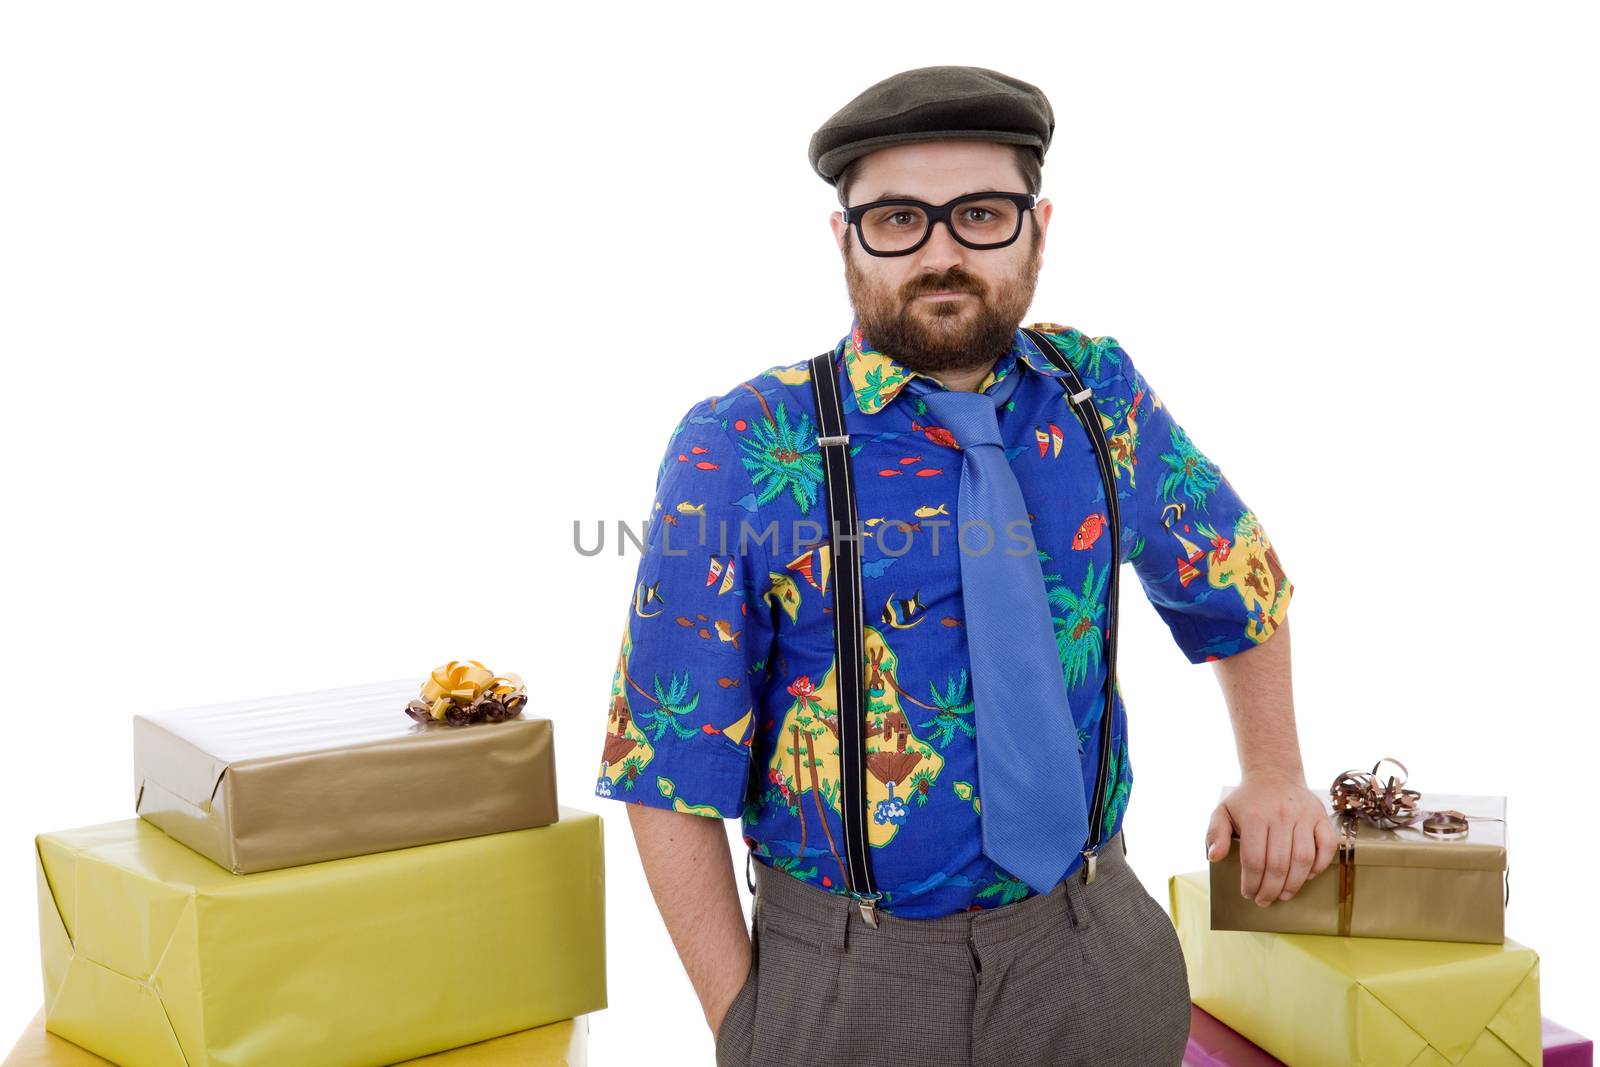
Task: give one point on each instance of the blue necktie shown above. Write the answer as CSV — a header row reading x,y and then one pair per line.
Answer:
x,y
1030,780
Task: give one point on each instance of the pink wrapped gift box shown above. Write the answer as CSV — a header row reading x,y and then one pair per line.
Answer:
x,y
1213,1044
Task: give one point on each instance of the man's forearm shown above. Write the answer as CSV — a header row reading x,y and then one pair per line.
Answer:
x,y
1256,685
690,872
1284,833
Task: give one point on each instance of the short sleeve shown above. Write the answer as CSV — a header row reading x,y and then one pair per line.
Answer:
x,y
1201,553
695,643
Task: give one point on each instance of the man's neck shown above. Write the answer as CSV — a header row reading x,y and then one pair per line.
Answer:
x,y
967,379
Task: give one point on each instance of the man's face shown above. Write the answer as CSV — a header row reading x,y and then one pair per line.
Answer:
x,y
892,295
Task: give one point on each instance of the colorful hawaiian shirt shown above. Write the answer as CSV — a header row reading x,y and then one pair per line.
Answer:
x,y
724,702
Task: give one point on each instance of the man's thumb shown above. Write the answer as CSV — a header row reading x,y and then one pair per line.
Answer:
x,y
1219,835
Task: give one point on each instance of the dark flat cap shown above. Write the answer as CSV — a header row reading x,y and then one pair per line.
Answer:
x,y
933,104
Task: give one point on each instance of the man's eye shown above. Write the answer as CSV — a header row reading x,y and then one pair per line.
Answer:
x,y
902,218
971,211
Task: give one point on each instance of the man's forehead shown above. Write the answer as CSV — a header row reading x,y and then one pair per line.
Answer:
x,y
936,171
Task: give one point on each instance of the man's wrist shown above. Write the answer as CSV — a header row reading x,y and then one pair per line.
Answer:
x,y
1276,775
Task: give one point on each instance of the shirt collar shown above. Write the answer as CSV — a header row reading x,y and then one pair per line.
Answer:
x,y
876,377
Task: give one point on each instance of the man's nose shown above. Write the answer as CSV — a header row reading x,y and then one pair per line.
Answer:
x,y
942,251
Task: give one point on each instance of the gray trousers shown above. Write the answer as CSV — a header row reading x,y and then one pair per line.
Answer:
x,y
1086,974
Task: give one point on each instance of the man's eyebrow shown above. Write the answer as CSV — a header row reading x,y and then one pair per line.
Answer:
x,y
908,196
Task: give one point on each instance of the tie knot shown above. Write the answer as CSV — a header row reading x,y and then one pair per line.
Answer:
x,y
972,418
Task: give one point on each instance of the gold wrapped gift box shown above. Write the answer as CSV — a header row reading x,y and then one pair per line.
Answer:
x,y
558,1044
1326,1001
263,784
1400,883
154,956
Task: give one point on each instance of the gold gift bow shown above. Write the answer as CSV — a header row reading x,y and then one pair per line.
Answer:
x,y
1389,805
462,684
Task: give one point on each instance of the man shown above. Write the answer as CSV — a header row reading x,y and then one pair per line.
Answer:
x,y
985,942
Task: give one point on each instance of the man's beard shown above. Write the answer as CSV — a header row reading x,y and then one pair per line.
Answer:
x,y
943,335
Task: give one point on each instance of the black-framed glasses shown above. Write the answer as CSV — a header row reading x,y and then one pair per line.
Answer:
x,y
977,220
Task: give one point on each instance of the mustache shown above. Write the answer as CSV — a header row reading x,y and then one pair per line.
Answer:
x,y
958,283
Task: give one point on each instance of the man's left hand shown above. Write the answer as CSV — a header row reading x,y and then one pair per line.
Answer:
x,y
1285,836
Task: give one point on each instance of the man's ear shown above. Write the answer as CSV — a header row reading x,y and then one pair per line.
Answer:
x,y
840,229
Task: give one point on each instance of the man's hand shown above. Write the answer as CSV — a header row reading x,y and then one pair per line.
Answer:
x,y
715,1017
1285,836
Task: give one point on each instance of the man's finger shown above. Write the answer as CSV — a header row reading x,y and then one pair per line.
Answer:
x,y
1302,850
1279,840
1327,845
1219,835
1252,855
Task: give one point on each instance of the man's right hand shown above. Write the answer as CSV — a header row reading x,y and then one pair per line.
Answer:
x,y
727,1002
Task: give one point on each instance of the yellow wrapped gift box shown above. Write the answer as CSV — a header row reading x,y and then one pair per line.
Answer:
x,y
1321,1000
154,956
559,1044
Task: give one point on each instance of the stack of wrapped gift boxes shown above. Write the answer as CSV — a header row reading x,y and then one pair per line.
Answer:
x,y
352,877
1395,954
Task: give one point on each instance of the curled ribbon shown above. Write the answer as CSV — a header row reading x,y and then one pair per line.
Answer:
x,y
1387,804
464,692
1360,794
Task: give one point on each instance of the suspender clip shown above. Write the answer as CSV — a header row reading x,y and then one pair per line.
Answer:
x,y
868,903
1078,398
839,439
1090,856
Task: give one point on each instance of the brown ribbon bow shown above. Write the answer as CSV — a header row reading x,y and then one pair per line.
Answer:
x,y
1388,804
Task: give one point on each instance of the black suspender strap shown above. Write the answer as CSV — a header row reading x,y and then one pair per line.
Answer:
x,y
849,616
1080,399
849,642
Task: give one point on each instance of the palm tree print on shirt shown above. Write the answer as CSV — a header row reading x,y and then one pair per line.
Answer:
x,y
1078,633
782,457
1188,471
953,711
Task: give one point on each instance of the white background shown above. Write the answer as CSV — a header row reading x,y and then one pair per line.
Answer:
x,y
323,322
